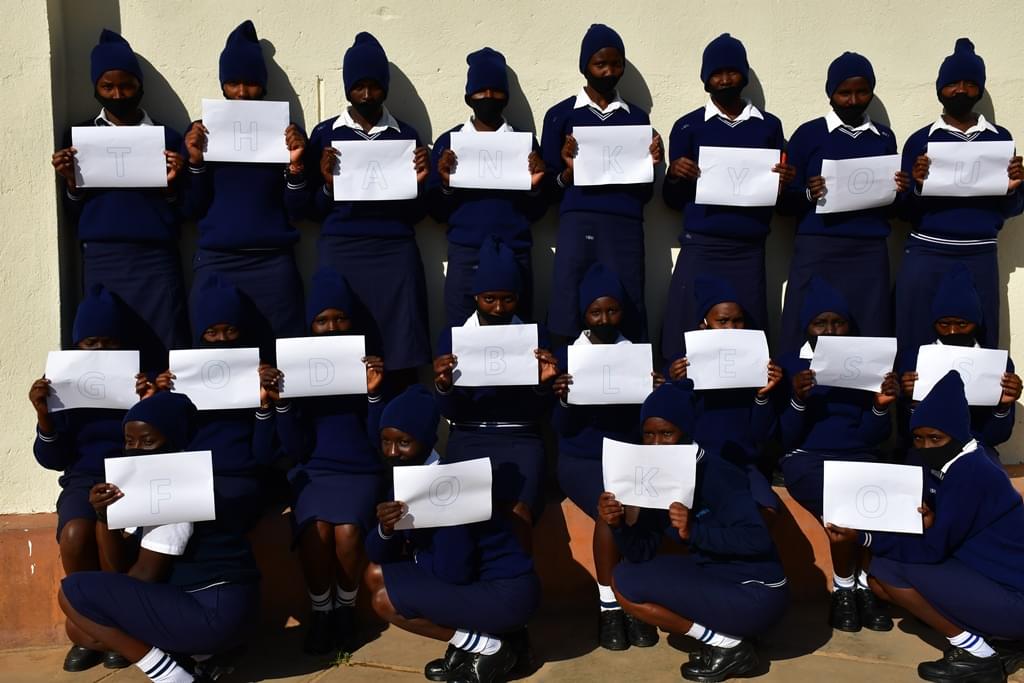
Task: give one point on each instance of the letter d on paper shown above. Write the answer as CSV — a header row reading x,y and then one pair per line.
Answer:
x,y
91,385
644,487
494,360
321,372
444,491
159,490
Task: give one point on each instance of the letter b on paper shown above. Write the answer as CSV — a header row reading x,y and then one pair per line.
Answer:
x,y
494,360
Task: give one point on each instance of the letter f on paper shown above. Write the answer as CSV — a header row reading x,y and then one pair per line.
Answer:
x,y
644,478
159,490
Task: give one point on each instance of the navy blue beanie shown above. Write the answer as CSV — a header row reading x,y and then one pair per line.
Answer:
x,y
328,290
724,52
173,414
498,270
111,53
242,58
962,65
819,297
600,281
945,408
597,38
956,296
487,69
98,316
365,60
673,402
414,412
711,290
848,65
218,302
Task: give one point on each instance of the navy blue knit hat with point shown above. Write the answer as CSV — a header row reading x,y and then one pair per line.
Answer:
x,y
498,270
113,53
487,70
98,316
711,290
848,65
173,414
945,408
414,412
219,302
328,290
819,297
242,59
724,52
597,38
962,65
365,60
600,281
956,296
672,402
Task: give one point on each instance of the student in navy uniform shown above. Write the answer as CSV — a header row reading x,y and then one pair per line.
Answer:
x,y
472,215
187,588
730,587
471,585
849,249
603,223
725,240
244,210
962,577
958,321
951,229
820,424
337,482
581,430
121,226
364,239
502,422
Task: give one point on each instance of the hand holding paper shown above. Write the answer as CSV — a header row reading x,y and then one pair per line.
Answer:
x,y
498,160
873,496
727,359
649,476
856,184
968,169
444,495
322,366
162,488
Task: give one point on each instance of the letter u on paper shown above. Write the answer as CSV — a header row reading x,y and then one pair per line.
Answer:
x,y
444,495
968,169
374,170
737,176
649,476
119,156
164,488
495,355
91,379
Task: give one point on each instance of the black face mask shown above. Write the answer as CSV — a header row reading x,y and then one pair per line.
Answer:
x,y
156,451
237,344
488,110
399,462
490,319
852,115
371,111
603,84
338,333
122,107
959,105
935,458
605,333
729,95
957,339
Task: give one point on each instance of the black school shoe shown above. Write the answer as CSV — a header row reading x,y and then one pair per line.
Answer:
x,y
343,627
872,612
958,664
520,642
844,615
1011,654
611,630
488,668
640,633
81,658
713,664
319,638
448,667
112,660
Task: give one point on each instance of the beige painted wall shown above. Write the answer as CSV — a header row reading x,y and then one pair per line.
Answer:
x,y
789,44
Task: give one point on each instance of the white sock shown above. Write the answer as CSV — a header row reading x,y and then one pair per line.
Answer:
x,y
475,642
713,638
321,601
842,581
344,598
606,596
862,580
160,668
973,643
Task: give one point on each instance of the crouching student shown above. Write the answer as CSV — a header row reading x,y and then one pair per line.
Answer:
x,y
466,584
730,586
962,576
187,588
819,424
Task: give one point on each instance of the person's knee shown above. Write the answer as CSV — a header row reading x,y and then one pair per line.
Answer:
x,y
78,539
373,577
379,600
348,537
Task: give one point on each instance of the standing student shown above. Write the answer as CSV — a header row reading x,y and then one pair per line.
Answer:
x,y
122,226
598,223
472,215
471,585
186,588
730,586
849,248
725,240
244,210
953,229
364,240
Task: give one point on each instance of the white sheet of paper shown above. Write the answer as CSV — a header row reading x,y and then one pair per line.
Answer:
x,y
322,366
727,359
374,170
968,169
91,379
612,155
853,362
164,488
873,496
980,369
610,374
246,130
649,476
855,184
492,161
444,495
495,355
738,176
119,156
217,379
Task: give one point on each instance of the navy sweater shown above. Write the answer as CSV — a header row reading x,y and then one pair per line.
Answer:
x,y
734,423
810,144
127,214
242,441
472,215
82,440
215,553
617,200
688,135
956,218
332,433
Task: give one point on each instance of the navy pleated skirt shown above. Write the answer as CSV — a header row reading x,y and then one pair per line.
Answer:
x,y
73,501
334,497
582,480
458,283
805,475
517,462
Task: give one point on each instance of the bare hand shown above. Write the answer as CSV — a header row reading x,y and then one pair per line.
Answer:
x,y
374,373
657,379
446,165
657,149
175,164
443,368
839,534
684,168
328,163
143,387
803,382
561,386
421,162
816,187
889,392
1011,389
907,383
1015,171
295,140
102,496
920,170
677,370
548,365
165,381
610,510
786,172
270,384
902,180
927,516
774,377
195,143
388,515
38,394
537,169
569,151
63,161
679,516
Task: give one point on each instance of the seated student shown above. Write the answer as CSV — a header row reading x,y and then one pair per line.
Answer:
x,y
962,576
76,442
958,321
828,423
503,422
472,215
470,585
337,481
187,588
581,430
729,587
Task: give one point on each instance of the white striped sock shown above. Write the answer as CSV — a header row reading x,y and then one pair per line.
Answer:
x,y
321,601
344,598
713,638
160,668
475,642
606,598
973,643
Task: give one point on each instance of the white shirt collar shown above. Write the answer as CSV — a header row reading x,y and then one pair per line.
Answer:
x,y
468,127
939,342
832,121
434,458
474,321
711,110
981,125
584,339
806,352
102,116
386,121
583,100
971,446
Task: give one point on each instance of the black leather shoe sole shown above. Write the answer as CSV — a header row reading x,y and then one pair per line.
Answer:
x,y
112,660
81,658
744,664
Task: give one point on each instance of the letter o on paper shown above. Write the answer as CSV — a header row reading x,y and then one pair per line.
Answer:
x,y
872,502
91,385
215,374
861,181
444,491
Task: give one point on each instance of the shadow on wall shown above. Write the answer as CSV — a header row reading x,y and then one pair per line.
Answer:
x,y
633,88
279,86
407,105
519,113
754,90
